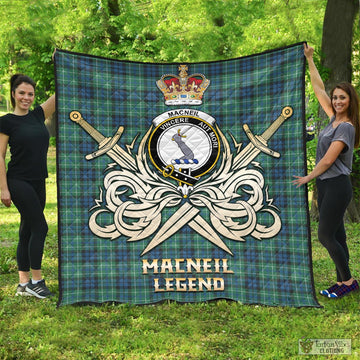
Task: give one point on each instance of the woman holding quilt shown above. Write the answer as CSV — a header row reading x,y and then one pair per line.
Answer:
x,y
24,181
333,166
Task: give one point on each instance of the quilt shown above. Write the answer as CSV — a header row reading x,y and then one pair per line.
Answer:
x,y
174,180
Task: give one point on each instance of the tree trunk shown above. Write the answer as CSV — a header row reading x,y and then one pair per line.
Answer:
x,y
314,211
51,125
336,57
114,10
337,40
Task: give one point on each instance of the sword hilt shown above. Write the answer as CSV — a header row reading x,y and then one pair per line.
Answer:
x,y
76,117
260,141
286,112
106,145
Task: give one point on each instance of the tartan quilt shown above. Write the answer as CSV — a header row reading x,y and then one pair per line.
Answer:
x,y
174,180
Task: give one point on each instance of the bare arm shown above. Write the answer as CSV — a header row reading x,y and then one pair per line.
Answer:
x,y
329,158
4,190
49,106
317,83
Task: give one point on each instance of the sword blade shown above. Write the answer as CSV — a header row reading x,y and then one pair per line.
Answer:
x,y
200,225
259,142
125,160
113,150
176,221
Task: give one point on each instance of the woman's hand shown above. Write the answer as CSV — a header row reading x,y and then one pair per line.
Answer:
x,y
308,51
6,198
300,180
53,55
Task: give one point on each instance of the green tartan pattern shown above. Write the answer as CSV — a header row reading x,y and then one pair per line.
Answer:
x,y
251,90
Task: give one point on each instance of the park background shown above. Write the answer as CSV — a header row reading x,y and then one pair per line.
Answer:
x,y
172,31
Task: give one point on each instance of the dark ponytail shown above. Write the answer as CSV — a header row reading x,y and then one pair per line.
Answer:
x,y
15,81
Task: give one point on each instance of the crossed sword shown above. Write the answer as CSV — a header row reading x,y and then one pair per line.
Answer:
x,y
186,214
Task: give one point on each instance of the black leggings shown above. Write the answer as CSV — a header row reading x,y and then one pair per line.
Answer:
x,y
29,198
334,195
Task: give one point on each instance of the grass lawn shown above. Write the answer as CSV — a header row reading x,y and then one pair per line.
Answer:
x,y
37,329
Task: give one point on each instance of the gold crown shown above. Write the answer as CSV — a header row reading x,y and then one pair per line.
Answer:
x,y
183,89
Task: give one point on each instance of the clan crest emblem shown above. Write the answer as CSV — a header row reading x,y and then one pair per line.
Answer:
x,y
184,146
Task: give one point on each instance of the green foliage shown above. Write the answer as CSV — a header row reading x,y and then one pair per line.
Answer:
x,y
7,260
310,157
154,31
356,52
150,31
356,83
52,141
282,23
26,42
